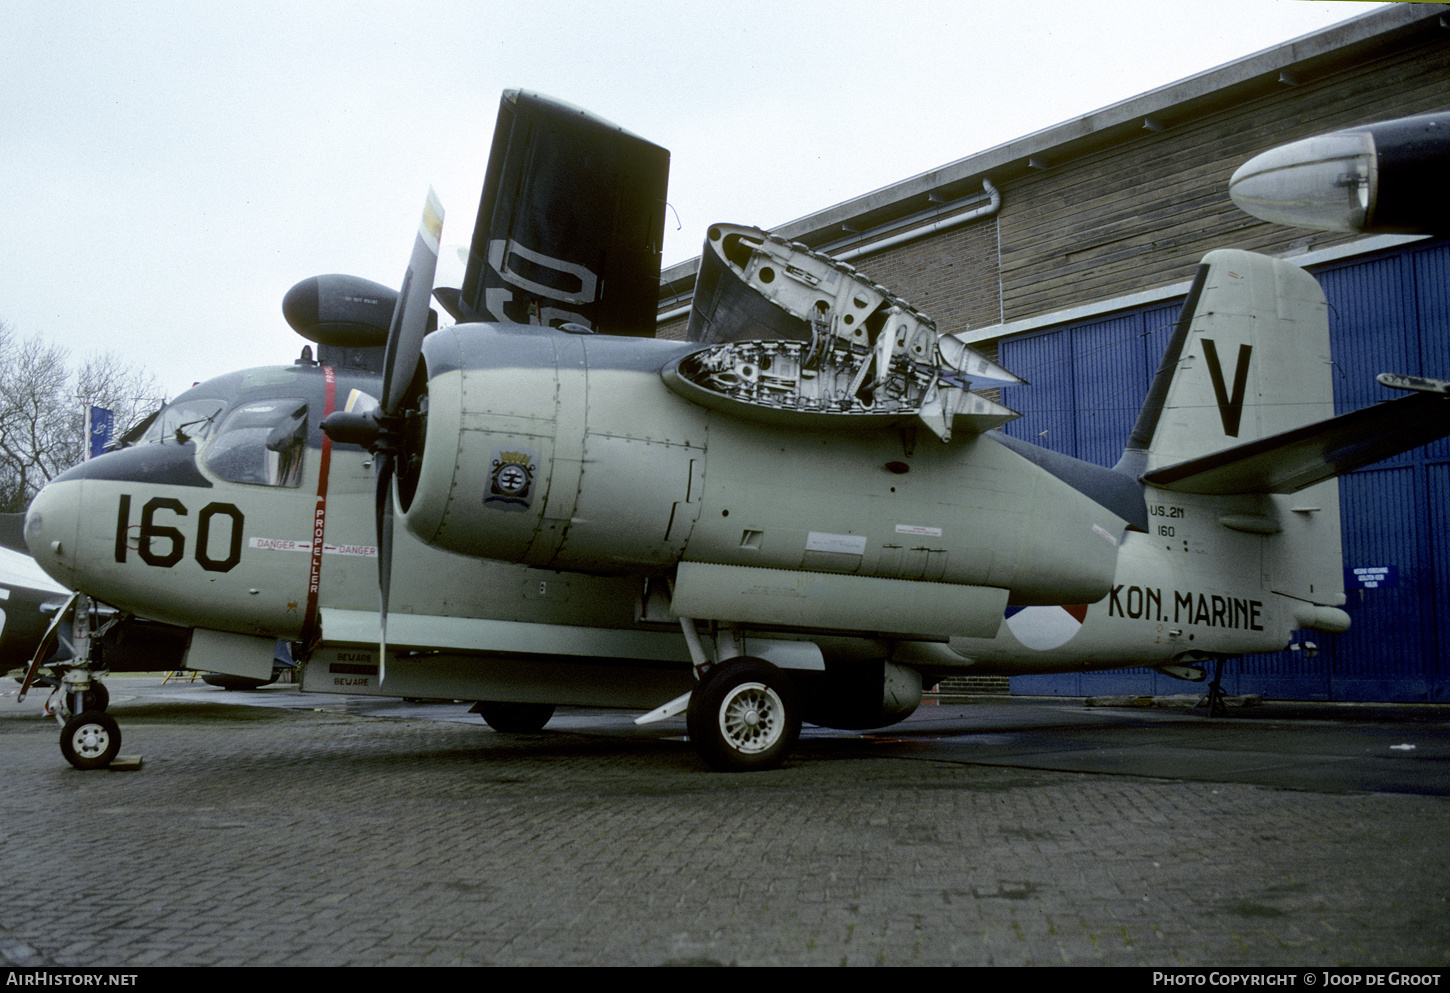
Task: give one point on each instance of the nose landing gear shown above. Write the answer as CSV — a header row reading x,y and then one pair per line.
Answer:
x,y
90,740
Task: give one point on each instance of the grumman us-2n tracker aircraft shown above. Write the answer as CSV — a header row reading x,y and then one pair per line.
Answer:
x,y
802,513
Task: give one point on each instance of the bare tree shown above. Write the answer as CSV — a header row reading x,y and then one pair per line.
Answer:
x,y
43,404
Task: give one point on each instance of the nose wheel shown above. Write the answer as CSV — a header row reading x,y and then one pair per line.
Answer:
x,y
89,737
744,715
90,740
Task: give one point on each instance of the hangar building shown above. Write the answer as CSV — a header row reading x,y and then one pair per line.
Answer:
x,y
1066,255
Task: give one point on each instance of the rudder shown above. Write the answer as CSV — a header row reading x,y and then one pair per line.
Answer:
x,y
1249,358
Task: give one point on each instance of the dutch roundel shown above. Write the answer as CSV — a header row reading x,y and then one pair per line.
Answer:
x,y
1044,628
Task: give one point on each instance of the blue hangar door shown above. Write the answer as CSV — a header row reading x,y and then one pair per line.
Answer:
x,y
1388,312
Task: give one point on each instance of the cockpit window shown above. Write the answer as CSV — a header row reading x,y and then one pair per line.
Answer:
x,y
261,442
186,420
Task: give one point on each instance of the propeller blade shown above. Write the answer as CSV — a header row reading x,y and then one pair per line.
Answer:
x,y
385,557
405,347
410,316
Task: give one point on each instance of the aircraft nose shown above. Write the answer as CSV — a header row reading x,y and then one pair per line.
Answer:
x,y
52,527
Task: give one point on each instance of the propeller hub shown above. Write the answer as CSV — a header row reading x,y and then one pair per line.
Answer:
x,y
374,430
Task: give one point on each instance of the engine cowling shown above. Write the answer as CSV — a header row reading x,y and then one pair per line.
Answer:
x,y
540,451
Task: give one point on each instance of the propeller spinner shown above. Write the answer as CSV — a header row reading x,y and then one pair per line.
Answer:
x,y
383,431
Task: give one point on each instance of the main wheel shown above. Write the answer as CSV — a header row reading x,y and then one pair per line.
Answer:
x,y
515,718
744,715
90,740
227,681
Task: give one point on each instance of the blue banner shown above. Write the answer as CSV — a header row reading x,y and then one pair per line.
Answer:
x,y
99,422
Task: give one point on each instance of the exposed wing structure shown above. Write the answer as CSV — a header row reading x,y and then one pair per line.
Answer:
x,y
796,337
1288,462
570,224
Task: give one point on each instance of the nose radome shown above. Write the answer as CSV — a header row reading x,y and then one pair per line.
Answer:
x,y
51,527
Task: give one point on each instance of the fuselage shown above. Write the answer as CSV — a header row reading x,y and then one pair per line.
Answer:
x,y
1189,588
235,514
1093,568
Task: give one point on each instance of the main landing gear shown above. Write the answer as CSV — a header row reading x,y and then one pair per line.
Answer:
x,y
744,715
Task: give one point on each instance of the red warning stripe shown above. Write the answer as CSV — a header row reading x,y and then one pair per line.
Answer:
x,y
310,629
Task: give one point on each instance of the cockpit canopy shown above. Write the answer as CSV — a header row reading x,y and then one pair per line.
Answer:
x,y
255,426
183,421
260,442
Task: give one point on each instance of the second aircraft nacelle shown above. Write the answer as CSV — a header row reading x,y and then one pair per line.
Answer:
x,y
569,452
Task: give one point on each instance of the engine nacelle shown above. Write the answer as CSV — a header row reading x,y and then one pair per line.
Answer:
x,y
542,451
568,452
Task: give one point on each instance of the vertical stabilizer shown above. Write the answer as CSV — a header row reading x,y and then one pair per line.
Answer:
x,y
1249,359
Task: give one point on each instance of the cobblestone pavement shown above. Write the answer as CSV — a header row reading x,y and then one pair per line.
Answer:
x,y
295,836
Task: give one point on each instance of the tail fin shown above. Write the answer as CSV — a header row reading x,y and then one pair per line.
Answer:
x,y
1261,420
1239,424
1247,365
1249,359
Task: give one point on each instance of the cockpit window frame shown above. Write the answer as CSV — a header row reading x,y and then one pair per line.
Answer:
x,y
261,441
183,421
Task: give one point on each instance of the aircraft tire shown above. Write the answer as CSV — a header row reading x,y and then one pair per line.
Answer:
x,y
90,740
515,718
744,716
226,681
96,698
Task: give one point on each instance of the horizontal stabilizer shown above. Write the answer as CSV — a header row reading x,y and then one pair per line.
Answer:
x,y
1288,462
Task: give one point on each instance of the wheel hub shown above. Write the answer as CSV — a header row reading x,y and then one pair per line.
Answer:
x,y
752,717
91,740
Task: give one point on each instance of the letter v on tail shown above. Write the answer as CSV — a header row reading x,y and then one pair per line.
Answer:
x,y
1230,407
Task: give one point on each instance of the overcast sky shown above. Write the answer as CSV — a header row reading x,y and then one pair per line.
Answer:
x,y
169,169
